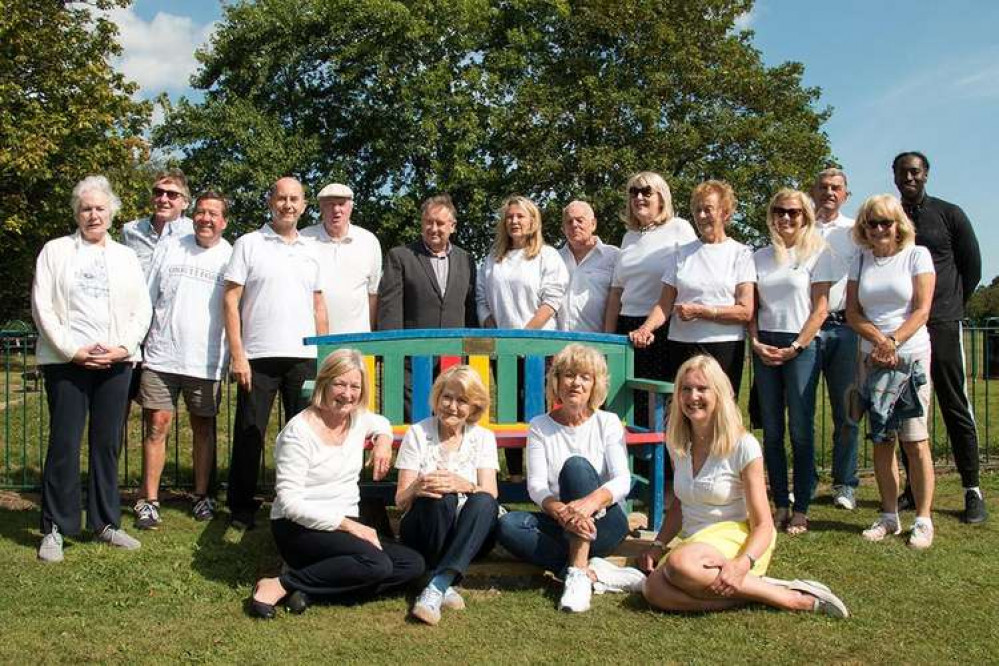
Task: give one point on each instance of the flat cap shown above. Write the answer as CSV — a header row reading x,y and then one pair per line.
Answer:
x,y
336,190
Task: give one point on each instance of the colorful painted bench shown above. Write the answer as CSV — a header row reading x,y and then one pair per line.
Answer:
x,y
496,356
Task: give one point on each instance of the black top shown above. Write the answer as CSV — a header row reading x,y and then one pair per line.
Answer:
x,y
944,229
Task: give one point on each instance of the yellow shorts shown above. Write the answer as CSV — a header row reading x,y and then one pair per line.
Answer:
x,y
729,537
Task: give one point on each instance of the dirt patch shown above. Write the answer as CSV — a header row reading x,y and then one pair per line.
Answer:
x,y
14,501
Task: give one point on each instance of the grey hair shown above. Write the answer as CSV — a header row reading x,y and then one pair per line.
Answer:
x,y
95,184
832,172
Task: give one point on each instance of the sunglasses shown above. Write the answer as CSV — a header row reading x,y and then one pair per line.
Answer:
x,y
793,213
646,191
879,224
172,195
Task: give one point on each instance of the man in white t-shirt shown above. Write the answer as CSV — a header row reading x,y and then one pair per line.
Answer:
x,y
185,352
590,263
352,263
273,299
837,341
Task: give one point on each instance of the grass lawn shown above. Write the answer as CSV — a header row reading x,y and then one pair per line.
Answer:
x,y
180,599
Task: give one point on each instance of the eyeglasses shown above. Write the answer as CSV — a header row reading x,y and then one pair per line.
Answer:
x,y
646,191
879,224
172,195
793,213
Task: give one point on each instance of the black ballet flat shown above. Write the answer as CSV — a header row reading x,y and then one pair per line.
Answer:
x,y
261,610
296,602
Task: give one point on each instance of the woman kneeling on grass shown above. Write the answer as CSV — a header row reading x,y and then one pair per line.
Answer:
x,y
719,510
577,472
318,460
447,487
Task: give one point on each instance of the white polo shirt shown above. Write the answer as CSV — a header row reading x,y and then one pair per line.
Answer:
x,y
589,284
838,234
186,286
352,269
279,279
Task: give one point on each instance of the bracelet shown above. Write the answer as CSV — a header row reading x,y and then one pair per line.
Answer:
x,y
658,544
752,560
714,313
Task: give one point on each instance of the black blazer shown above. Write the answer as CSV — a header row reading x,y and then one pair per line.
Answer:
x,y
409,297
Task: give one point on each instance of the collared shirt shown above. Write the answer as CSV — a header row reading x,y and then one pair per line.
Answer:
x,y
441,263
838,234
279,279
589,285
141,236
352,269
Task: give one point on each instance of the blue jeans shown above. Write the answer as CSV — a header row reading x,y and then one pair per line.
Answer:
x,y
537,538
791,386
838,359
448,539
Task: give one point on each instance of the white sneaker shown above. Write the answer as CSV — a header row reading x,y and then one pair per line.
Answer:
x,y
118,538
577,592
428,605
843,497
881,529
51,548
921,536
612,578
453,600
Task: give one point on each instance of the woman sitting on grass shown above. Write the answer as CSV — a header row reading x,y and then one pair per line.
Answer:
x,y
447,487
577,472
719,510
318,458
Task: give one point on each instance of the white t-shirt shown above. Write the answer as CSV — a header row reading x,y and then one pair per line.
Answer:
x,y
838,235
278,281
512,290
186,286
885,289
600,439
352,269
643,258
316,483
708,273
589,285
717,494
90,297
785,290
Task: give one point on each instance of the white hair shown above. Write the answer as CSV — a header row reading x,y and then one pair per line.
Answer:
x,y
95,184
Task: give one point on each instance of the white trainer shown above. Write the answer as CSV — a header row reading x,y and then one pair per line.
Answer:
x,y
612,578
578,591
881,529
51,548
921,536
453,600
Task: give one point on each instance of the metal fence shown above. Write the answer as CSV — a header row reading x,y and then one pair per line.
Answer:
x,y
26,425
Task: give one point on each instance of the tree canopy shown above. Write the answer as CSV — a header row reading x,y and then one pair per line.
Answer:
x,y
553,99
64,113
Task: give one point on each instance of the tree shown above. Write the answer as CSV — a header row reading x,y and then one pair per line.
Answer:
x,y
64,113
554,99
984,303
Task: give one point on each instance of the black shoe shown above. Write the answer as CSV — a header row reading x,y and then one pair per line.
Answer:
x,y
242,520
974,508
296,602
261,610
906,502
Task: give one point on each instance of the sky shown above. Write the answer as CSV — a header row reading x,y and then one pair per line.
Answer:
x,y
898,75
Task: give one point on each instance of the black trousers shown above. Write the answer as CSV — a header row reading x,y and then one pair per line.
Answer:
x,y
337,566
253,411
448,539
651,362
730,356
73,394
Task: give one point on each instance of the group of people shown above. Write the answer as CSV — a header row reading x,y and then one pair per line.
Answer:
x,y
167,311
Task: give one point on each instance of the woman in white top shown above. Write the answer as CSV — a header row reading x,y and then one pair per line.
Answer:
x,y
707,290
577,473
654,235
521,283
447,487
318,458
91,308
888,298
719,510
793,274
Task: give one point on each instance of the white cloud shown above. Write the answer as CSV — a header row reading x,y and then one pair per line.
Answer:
x,y
159,54
745,20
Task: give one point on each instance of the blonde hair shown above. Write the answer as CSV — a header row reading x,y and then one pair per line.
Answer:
x,y
726,197
726,421
535,241
881,207
578,359
808,241
471,388
335,365
659,186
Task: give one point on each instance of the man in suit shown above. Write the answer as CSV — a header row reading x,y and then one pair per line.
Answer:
x,y
429,283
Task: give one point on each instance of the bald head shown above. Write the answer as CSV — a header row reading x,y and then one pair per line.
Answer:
x,y
287,203
579,224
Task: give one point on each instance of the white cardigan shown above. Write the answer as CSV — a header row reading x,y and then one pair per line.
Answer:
x,y
131,310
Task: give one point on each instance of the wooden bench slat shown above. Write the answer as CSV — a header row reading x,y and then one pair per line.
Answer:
x,y
506,389
423,378
534,386
392,382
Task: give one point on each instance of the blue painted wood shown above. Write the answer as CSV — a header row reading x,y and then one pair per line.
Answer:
x,y
534,386
423,377
657,482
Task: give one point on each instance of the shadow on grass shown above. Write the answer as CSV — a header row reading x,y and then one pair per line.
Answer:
x,y
236,558
20,526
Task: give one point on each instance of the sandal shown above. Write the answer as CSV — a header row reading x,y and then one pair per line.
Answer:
x,y
782,518
797,525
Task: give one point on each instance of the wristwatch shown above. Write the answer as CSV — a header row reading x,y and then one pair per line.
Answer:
x,y
796,347
752,560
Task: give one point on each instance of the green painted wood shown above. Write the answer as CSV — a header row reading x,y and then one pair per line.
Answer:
x,y
506,389
522,347
619,398
392,382
650,385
